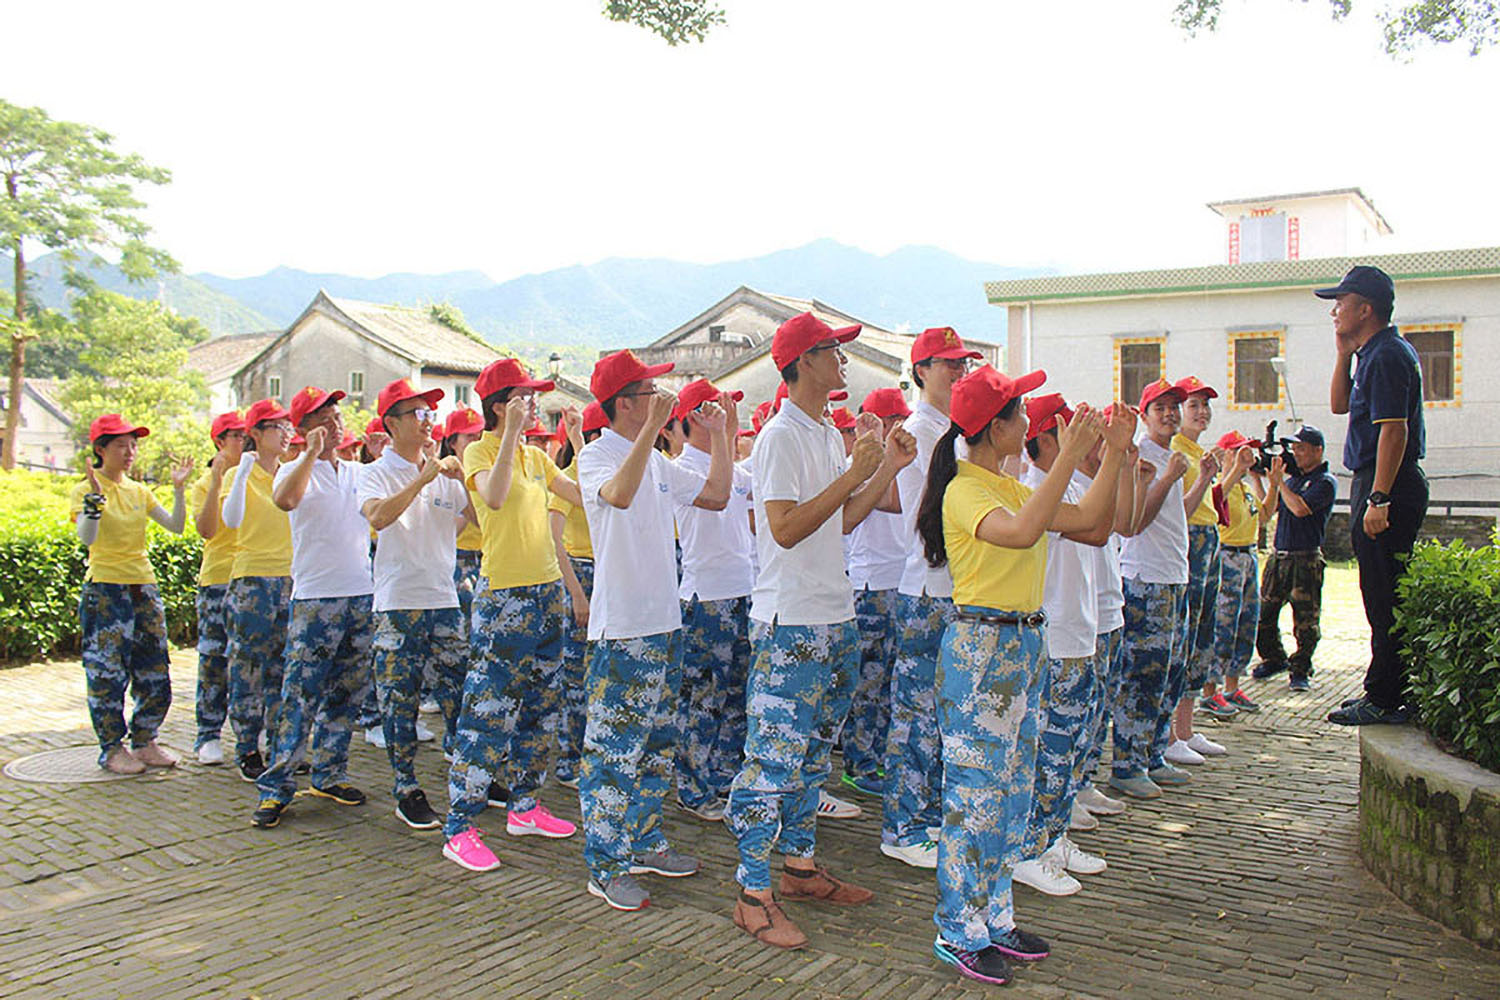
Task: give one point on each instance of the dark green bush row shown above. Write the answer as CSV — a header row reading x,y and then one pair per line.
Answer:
x,y
1445,620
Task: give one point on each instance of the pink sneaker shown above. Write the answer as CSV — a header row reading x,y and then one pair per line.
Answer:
x,y
537,820
467,850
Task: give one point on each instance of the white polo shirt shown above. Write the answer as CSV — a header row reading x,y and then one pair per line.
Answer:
x,y
415,553
877,558
1069,594
330,537
796,458
747,466
1107,574
635,556
716,544
1159,552
927,423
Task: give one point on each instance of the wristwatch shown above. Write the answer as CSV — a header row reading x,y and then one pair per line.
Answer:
x,y
1379,498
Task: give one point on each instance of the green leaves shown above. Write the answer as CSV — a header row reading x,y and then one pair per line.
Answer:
x,y
1475,23
676,21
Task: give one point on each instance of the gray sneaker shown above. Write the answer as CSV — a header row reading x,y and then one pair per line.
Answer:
x,y
669,863
1136,786
1169,775
621,892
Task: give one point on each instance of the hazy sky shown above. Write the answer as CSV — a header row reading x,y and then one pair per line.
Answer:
x,y
512,137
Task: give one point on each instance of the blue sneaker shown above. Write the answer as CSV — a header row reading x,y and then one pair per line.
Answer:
x,y
986,965
869,784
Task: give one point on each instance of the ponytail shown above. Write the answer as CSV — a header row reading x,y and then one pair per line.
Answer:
x,y
940,472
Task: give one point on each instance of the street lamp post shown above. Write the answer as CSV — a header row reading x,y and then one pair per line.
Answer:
x,y
1279,364
554,363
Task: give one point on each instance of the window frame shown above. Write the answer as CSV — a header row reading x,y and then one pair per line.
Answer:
x,y
1457,329
1253,333
1128,340
273,387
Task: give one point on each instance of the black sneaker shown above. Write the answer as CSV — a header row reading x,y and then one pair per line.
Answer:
x,y
267,814
302,768
252,766
416,813
1266,668
498,794
1023,945
344,795
1299,682
1364,713
986,965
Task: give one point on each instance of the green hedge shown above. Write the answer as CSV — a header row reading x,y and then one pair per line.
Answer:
x,y
1445,619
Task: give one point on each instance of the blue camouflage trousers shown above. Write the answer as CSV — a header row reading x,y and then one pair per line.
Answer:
x,y
628,749
465,580
913,757
409,646
508,720
862,742
1238,611
711,705
124,645
990,680
1202,607
1071,691
212,703
259,609
570,677
1108,653
801,682
327,675
1151,644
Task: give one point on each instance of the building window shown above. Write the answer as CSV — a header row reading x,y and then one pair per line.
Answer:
x,y
1139,361
461,394
273,387
1253,383
356,383
1439,349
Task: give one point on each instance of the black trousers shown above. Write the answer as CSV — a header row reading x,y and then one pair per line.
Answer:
x,y
1381,563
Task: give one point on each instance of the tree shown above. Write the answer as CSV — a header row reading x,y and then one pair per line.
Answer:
x,y
1475,23
66,190
677,21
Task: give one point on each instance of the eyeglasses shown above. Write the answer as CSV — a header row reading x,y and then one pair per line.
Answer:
x,y
837,349
421,413
644,392
953,364
284,426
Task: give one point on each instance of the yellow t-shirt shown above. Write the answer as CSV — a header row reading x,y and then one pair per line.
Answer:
x,y
984,574
576,540
118,554
264,539
470,538
516,540
218,551
1194,451
1241,527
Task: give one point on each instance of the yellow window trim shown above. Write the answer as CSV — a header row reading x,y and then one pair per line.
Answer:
x,y
1160,340
1458,360
1238,335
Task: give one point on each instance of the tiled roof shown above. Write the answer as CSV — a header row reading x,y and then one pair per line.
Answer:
x,y
48,392
1424,265
782,306
220,357
415,334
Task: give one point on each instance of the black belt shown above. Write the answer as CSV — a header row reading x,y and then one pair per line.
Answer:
x,y
1287,554
1237,548
1033,620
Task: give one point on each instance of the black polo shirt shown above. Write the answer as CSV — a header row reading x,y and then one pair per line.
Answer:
x,y
1301,534
1387,386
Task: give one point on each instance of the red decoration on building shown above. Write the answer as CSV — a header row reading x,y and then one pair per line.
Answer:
x,y
1234,243
1293,238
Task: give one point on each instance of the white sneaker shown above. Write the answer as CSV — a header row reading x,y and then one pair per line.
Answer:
x,y
923,855
1205,746
375,736
424,735
833,807
1081,818
211,753
1180,753
1044,874
1098,803
1071,857
429,706
934,833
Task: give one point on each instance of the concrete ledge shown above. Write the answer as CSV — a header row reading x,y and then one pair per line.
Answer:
x,y
1429,828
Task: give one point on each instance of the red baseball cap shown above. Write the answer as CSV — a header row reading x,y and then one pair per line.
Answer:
x,y
842,418
594,418
835,396
263,410
886,403
1234,441
400,391
111,424
762,414
982,393
698,392
310,398
375,426
536,430
439,432
348,439
1042,412
1161,387
1192,385
614,372
298,440
803,332
224,423
508,373
464,420
940,342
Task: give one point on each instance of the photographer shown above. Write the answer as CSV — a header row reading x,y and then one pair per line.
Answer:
x,y
1294,569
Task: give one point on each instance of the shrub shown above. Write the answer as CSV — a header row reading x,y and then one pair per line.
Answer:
x,y
1445,620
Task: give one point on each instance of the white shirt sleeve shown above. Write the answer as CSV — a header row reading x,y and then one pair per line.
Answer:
x,y
779,473
594,471
683,484
374,485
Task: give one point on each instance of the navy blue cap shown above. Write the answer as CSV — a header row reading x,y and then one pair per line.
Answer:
x,y
1309,435
1369,282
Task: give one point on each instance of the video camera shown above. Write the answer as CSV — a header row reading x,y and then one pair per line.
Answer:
x,y
1272,447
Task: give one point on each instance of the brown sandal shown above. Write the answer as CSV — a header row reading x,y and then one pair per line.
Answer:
x,y
767,923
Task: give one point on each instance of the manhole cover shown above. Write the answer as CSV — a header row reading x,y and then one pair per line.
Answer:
x,y
70,765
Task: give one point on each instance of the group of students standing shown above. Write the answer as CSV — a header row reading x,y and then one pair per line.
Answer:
x,y
967,595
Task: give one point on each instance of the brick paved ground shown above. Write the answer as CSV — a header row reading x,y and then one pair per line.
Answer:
x,y
158,886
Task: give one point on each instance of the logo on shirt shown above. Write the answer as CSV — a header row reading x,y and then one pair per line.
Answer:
x,y
662,487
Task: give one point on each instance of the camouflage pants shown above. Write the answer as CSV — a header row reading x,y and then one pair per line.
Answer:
x,y
989,685
212,703
1202,605
408,646
1237,613
258,610
711,705
575,663
327,675
628,749
508,720
913,755
124,645
1108,652
801,682
1177,669
1150,644
465,579
862,742
1072,689
1296,577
